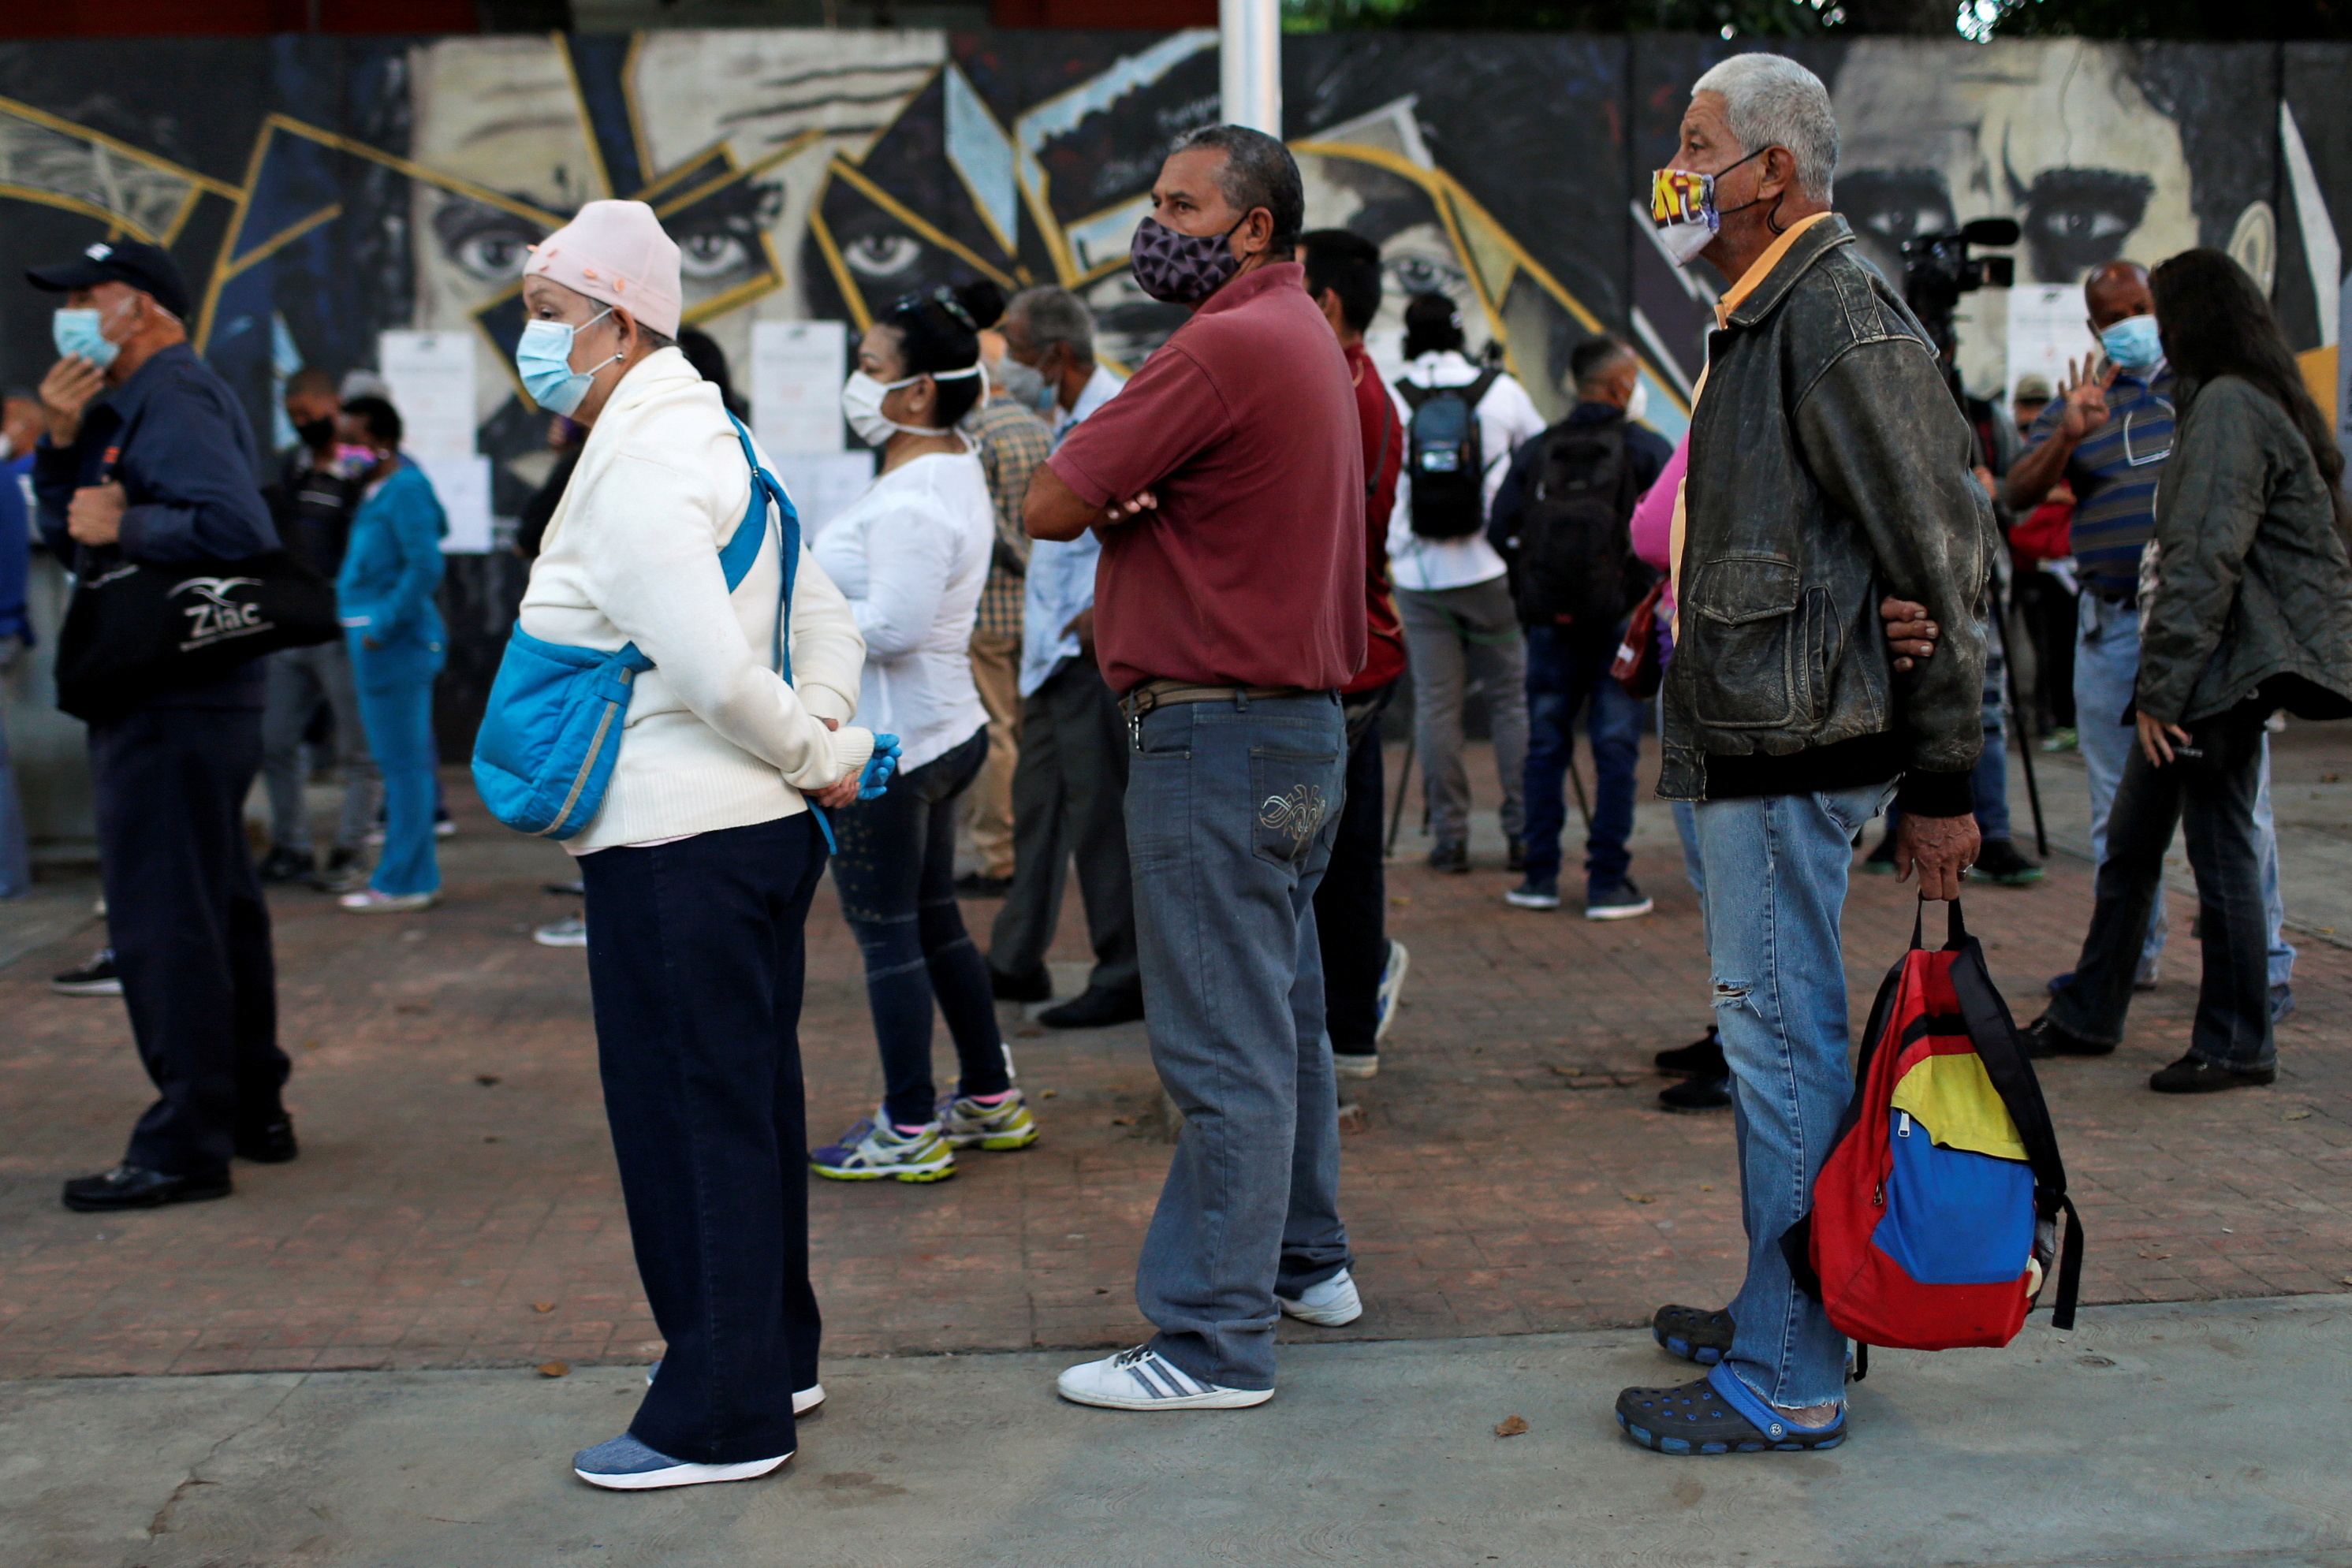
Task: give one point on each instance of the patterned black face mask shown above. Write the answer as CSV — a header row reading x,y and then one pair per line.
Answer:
x,y
1181,269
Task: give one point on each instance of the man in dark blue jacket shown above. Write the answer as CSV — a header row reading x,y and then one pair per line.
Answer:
x,y
1601,448
147,455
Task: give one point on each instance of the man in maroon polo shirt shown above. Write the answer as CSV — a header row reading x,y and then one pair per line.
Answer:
x,y
1226,482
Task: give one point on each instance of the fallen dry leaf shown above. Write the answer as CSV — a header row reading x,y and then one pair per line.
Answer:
x,y
553,1368
486,1079
1640,1198
543,1306
1125,1121
1510,1427
1570,1071
2299,1113
1049,1093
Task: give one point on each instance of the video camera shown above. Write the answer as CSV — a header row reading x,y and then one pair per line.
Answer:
x,y
1937,270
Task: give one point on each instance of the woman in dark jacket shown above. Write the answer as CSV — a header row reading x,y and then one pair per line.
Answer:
x,y
2246,605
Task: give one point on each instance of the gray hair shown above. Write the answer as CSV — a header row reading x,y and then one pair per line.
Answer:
x,y
1258,171
1051,316
1771,100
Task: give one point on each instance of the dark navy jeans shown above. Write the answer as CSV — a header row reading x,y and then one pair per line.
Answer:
x,y
1566,675
695,965
1231,808
895,875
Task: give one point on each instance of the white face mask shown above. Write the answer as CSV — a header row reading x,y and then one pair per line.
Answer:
x,y
861,404
1639,403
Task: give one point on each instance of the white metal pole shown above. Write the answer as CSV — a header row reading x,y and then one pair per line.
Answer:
x,y
1250,63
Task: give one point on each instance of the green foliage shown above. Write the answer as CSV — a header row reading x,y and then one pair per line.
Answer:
x,y
1977,19
1726,19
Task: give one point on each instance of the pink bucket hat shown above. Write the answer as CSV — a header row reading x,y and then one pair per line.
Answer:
x,y
616,252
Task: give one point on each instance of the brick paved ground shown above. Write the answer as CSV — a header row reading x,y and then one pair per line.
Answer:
x,y
1507,1172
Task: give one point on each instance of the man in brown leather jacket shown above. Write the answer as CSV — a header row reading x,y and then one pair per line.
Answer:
x,y
1830,468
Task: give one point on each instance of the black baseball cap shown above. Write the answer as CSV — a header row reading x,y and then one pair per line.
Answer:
x,y
146,268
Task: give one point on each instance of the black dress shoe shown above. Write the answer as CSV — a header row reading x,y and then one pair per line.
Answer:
x,y
1095,1008
2043,1040
284,865
269,1145
136,1186
1037,988
1697,1094
979,884
2189,1075
1700,1059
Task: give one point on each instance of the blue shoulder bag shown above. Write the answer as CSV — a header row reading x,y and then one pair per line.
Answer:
x,y
545,752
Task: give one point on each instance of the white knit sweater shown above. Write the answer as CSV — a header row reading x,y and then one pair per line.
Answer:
x,y
713,738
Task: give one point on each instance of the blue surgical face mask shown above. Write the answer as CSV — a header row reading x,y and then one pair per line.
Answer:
x,y
75,329
543,360
2133,343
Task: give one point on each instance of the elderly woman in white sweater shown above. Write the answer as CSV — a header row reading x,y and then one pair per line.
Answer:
x,y
912,555
701,863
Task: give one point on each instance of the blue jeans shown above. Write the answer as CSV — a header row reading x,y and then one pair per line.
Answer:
x,y
1230,809
1567,674
695,965
1781,863
895,875
395,687
2212,798
2107,670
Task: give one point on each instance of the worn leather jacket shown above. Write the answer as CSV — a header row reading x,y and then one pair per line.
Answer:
x,y
2253,597
1829,466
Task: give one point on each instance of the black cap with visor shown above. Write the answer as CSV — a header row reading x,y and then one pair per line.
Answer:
x,y
146,268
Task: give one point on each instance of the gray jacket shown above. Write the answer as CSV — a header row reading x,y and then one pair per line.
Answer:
x,y
1829,466
2254,593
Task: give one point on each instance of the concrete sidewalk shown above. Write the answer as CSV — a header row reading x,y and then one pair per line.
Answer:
x,y
2191,1435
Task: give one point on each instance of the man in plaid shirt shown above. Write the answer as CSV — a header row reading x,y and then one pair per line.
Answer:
x,y
1012,442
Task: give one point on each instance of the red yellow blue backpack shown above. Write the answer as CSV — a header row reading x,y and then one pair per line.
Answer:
x,y
1935,1218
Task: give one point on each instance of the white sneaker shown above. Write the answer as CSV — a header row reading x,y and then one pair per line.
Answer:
x,y
803,1399
1356,1064
1327,1305
1392,973
1142,1379
368,900
624,1463
572,931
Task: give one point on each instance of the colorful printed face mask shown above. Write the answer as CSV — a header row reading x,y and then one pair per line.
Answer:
x,y
1181,269
1682,205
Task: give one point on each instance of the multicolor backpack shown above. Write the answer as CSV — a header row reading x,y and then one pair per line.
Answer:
x,y
1935,1219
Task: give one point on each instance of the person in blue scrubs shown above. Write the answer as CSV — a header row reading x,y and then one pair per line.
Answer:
x,y
386,596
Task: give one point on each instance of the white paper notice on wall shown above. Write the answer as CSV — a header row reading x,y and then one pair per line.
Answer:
x,y
796,372
432,379
2049,329
823,484
463,485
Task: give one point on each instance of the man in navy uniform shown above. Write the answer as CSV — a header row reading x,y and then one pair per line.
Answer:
x,y
148,454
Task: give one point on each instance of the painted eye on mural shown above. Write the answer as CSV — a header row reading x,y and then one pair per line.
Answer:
x,y
881,255
712,253
483,241
1424,275
1893,206
2076,219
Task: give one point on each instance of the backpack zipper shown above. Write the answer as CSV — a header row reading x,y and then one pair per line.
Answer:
x,y
1903,1124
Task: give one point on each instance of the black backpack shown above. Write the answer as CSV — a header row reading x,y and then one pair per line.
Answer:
x,y
1444,454
1575,562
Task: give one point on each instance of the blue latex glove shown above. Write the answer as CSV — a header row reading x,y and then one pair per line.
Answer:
x,y
878,767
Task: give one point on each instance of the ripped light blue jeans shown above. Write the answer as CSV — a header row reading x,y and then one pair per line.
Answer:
x,y
1780,863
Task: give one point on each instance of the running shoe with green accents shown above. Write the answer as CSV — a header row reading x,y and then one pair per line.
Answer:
x,y
1002,1126
874,1149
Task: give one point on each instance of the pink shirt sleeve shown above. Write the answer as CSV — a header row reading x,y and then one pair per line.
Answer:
x,y
1653,515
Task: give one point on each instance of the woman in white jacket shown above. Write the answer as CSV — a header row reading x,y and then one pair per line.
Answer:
x,y
912,555
701,863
